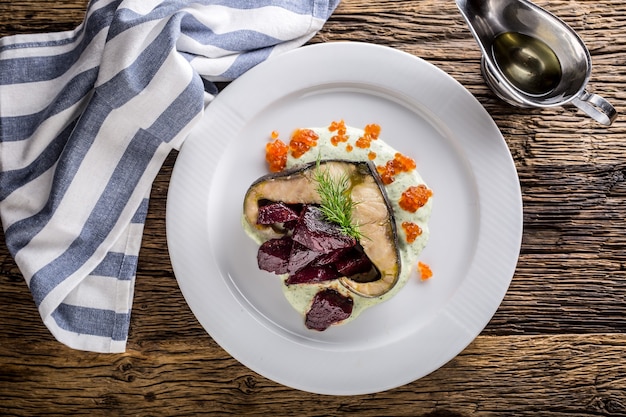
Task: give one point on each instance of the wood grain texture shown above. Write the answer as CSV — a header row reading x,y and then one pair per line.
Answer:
x,y
555,347
494,376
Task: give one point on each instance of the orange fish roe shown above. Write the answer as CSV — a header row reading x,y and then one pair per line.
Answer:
x,y
363,142
301,141
412,231
403,163
337,139
371,156
398,164
274,134
386,173
276,155
414,198
340,128
349,148
424,270
372,130
337,126
371,133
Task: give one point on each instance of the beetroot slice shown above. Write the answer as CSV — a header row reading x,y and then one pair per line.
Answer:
x,y
276,213
273,255
328,307
300,257
353,262
313,274
318,234
331,257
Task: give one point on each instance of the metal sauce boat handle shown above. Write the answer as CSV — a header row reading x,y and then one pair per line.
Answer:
x,y
595,106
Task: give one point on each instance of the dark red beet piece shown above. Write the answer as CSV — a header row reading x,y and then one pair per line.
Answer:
x,y
328,307
312,274
331,257
290,224
353,262
318,234
300,257
273,255
276,213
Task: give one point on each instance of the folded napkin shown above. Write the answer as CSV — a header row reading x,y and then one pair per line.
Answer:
x,y
87,118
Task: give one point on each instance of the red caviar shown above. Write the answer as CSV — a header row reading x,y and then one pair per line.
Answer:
x,y
393,167
337,126
370,133
276,154
337,139
412,231
363,142
301,141
414,197
424,270
340,128
372,130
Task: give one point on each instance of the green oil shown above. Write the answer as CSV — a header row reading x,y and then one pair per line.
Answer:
x,y
527,62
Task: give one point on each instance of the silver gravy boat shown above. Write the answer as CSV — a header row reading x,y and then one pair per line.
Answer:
x,y
530,58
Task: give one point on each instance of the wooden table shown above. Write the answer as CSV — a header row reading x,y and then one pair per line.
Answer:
x,y
555,347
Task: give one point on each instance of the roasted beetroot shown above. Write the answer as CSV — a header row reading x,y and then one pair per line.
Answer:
x,y
328,307
300,257
276,213
353,262
273,255
318,234
332,257
312,274
315,251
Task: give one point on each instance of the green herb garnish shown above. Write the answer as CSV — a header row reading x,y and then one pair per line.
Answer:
x,y
336,202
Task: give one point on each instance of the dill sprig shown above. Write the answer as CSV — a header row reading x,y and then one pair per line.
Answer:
x,y
336,204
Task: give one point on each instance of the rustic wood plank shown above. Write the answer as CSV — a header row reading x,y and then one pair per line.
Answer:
x,y
555,347
494,376
41,16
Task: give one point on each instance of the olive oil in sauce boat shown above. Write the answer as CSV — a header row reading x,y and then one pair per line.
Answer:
x,y
530,58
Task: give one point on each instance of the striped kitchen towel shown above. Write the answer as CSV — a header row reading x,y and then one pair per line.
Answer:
x,y
87,118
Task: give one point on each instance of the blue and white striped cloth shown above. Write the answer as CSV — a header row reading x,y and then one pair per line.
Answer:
x,y
87,118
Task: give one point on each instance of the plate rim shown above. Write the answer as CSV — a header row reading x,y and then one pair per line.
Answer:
x,y
456,319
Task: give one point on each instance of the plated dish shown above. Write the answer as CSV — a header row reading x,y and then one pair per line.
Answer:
x,y
475,228
341,219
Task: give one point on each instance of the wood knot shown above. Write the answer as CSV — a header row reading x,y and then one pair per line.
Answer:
x,y
607,405
126,371
125,366
615,182
613,405
246,384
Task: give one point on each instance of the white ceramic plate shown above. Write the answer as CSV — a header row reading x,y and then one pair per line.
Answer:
x,y
475,228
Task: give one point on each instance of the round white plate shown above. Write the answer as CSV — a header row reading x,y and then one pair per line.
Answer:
x,y
475,228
